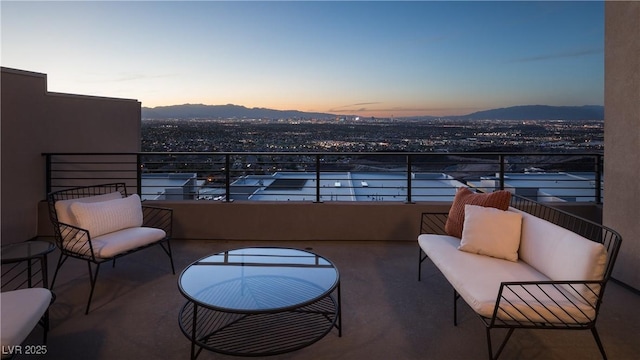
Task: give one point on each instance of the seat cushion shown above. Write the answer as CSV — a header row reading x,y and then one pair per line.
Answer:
x,y
118,242
455,221
21,311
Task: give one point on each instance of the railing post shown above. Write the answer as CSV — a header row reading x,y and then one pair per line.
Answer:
x,y
409,180
501,159
48,174
227,176
139,174
598,183
318,179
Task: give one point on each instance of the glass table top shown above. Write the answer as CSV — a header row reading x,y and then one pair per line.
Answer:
x,y
258,279
25,250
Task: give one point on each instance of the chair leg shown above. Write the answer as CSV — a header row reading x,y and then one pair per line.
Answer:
x,y
173,269
61,260
92,277
45,326
169,253
597,338
489,343
421,259
456,296
502,345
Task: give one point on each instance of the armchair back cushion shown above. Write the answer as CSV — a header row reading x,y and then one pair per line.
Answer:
x,y
63,211
105,217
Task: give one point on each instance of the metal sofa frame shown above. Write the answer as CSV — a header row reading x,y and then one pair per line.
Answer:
x,y
156,217
433,223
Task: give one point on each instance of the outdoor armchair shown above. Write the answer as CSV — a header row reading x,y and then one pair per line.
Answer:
x,y
101,223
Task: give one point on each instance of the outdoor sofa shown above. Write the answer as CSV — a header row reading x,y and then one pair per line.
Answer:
x,y
520,264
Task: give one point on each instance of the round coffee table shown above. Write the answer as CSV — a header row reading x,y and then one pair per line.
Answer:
x,y
259,301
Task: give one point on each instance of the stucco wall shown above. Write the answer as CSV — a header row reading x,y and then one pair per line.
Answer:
x,y
34,121
622,134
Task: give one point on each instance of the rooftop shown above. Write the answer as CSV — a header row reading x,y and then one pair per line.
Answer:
x,y
349,186
368,186
387,313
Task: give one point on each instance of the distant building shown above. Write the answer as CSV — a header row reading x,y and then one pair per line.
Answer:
x,y
344,186
169,186
367,186
545,187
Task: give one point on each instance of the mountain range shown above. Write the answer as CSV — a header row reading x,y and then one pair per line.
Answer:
x,y
230,111
540,112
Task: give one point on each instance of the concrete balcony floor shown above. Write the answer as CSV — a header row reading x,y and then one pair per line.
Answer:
x,y
387,313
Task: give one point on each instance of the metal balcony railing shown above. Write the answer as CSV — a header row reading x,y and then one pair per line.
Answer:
x,y
332,176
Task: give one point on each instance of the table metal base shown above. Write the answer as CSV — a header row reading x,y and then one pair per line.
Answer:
x,y
260,334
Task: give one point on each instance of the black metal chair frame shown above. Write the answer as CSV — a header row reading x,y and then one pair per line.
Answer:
x,y
156,217
433,223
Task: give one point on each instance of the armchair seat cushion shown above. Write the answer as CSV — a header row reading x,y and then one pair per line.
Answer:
x,y
117,242
21,311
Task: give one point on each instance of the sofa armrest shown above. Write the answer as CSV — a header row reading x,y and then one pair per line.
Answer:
x,y
535,304
433,223
158,217
74,240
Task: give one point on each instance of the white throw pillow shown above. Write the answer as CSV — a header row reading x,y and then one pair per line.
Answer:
x,y
104,217
491,232
63,211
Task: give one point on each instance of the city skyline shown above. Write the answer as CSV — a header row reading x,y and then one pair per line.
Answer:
x,y
366,58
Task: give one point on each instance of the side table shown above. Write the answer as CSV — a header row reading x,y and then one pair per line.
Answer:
x,y
29,251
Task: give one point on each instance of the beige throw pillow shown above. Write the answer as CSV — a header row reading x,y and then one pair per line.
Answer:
x,y
498,199
492,232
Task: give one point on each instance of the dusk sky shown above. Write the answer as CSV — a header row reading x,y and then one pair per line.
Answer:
x,y
354,57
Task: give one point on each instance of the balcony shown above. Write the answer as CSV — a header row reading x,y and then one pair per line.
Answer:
x,y
387,313
401,317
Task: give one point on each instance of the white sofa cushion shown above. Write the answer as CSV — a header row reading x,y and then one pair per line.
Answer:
x,y
492,232
477,279
561,254
21,311
114,243
104,217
